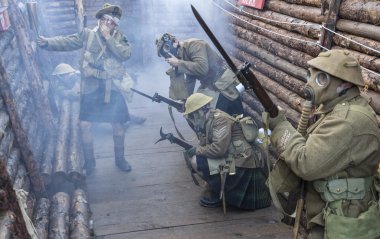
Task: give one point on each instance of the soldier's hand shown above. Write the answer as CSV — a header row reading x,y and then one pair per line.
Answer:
x,y
42,41
172,60
273,122
105,30
191,152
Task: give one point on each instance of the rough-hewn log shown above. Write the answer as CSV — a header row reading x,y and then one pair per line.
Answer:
x,y
41,218
313,3
30,203
4,122
359,29
304,44
12,163
292,115
22,139
305,28
22,181
59,216
272,60
74,162
281,77
293,56
47,160
79,13
7,225
250,98
19,229
31,66
288,97
361,11
311,14
7,143
340,41
80,215
373,99
372,80
370,62
4,202
5,39
61,149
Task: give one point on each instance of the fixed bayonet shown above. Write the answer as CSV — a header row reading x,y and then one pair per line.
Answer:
x,y
243,73
159,98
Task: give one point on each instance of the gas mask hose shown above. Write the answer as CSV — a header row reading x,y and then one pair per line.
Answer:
x,y
304,120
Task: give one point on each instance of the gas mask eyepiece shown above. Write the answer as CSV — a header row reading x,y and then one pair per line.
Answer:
x,y
167,46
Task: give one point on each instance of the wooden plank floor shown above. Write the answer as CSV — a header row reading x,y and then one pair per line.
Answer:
x,y
158,198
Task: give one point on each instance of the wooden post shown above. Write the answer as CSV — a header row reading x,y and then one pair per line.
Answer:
x,y
26,152
79,14
331,20
31,66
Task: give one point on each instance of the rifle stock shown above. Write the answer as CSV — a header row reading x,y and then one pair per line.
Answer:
x,y
244,74
173,140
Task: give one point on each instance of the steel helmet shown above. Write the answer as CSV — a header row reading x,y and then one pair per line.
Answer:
x,y
339,63
62,69
195,102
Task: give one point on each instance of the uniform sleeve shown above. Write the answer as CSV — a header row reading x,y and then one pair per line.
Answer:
x,y
324,153
221,138
198,64
65,43
119,46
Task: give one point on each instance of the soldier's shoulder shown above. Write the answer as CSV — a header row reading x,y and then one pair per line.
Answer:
x,y
223,115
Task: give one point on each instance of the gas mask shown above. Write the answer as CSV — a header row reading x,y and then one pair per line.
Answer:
x,y
198,119
68,80
165,46
321,87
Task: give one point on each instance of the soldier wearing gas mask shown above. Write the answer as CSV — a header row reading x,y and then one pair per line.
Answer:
x,y
194,59
338,156
103,51
65,83
224,158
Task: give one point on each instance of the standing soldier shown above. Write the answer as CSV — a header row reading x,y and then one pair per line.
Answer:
x,y
338,157
224,158
194,59
103,51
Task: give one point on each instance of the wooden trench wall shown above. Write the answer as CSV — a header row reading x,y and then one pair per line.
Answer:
x,y
280,39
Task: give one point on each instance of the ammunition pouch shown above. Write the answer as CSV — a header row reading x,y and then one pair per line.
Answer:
x,y
339,226
343,189
180,87
226,85
249,128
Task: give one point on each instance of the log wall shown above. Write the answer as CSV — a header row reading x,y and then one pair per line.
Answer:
x,y
280,39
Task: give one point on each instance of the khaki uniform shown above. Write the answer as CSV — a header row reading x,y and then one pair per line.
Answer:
x,y
199,61
343,144
224,143
102,68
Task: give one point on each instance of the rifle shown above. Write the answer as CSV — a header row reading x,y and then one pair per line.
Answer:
x,y
243,73
159,98
172,139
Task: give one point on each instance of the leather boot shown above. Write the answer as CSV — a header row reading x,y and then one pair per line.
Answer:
x,y
210,199
90,163
120,161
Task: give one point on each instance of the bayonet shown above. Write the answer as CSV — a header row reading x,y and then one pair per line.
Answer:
x,y
243,73
159,98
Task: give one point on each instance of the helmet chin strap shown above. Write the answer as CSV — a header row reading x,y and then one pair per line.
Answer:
x,y
343,88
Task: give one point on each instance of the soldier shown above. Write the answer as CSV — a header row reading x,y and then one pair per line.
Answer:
x,y
103,51
339,155
65,83
224,158
194,59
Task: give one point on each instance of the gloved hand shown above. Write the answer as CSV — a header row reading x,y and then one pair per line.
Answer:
x,y
273,122
42,41
192,151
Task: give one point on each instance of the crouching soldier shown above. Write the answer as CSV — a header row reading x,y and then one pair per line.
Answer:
x,y
338,157
224,158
